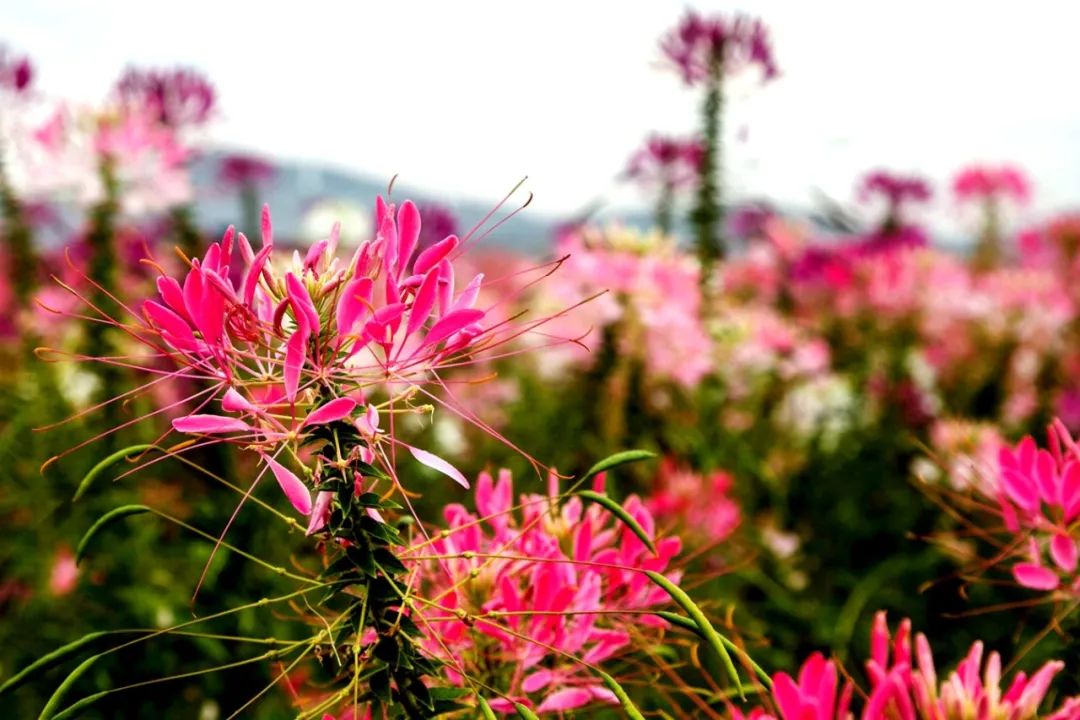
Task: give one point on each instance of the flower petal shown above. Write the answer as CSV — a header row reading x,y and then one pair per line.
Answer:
x,y
293,487
210,424
437,463
331,412
1035,576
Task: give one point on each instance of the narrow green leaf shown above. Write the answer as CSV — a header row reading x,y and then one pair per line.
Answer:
x,y
708,632
620,512
104,521
105,464
628,705
619,458
690,625
75,710
485,709
47,661
53,705
524,712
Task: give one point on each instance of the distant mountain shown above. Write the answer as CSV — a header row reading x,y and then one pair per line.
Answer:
x,y
300,188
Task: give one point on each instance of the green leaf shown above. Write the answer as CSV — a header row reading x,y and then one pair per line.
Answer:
x,y
103,522
690,625
524,712
105,464
620,512
53,705
619,458
45,662
75,710
628,705
707,631
485,709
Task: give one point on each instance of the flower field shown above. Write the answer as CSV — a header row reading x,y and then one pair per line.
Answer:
x,y
734,462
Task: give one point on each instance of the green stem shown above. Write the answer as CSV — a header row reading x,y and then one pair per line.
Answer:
x,y
707,216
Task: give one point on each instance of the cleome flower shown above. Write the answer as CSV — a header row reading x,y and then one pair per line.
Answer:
x,y
701,47
285,350
527,598
1038,492
904,685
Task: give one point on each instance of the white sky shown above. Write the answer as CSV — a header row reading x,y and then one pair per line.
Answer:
x,y
466,97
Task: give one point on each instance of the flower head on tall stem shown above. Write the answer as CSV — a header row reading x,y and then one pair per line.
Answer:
x,y
176,98
699,46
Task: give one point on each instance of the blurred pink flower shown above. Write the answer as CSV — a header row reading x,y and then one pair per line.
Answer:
x,y
699,505
16,72
64,575
241,170
981,182
666,161
176,98
699,47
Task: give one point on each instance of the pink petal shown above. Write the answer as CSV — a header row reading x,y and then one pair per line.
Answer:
x,y
267,227
537,681
1035,576
437,463
566,699
301,303
450,323
408,233
233,401
433,255
295,355
1063,552
292,486
172,295
1070,491
422,303
210,424
173,326
468,296
331,412
251,280
354,304
320,513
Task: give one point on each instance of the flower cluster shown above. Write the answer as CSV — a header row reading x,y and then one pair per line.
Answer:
x,y
896,189
676,498
289,349
240,170
1038,492
666,162
176,98
526,598
652,293
983,183
904,684
705,47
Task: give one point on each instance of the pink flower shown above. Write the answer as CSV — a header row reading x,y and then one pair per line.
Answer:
x,y
896,189
700,505
666,161
908,686
240,170
65,573
174,98
524,597
16,72
701,47
1038,491
982,183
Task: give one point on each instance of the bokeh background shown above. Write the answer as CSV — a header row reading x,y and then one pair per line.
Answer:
x,y
842,374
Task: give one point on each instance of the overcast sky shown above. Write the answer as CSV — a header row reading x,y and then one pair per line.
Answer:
x,y
466,97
